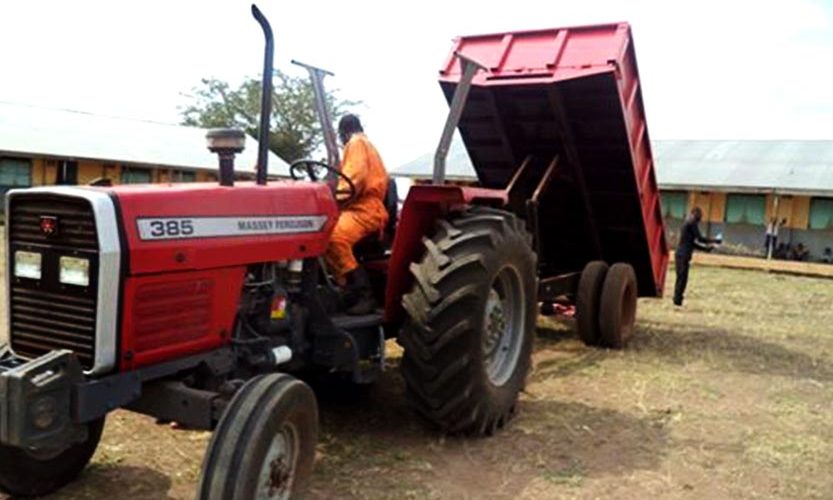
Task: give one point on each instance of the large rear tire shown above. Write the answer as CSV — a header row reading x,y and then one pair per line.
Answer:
x,y
472,312
588,300
28,473
618,306
264,444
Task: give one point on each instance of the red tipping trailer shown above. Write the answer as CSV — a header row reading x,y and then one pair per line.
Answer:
x,y
571,95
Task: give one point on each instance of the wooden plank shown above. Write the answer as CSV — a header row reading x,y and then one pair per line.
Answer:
x,y
814,269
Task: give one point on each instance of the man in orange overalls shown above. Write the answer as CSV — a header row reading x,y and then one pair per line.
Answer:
x,y
363,216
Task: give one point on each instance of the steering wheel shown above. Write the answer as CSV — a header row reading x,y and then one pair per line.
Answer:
x,y
318,171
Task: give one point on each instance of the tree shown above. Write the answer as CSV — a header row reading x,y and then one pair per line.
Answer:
x,y
295,131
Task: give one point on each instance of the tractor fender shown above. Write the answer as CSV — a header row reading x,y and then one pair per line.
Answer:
x,y
423,206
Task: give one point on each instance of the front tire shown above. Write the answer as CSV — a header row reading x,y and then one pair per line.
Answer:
x,y
264,444
472,313
29,473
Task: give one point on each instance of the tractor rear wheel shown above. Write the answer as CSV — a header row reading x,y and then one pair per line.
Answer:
x,y
29,473
588,297
618,306
264,444
472,312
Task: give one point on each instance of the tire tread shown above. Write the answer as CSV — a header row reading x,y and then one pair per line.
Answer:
x,y
437,366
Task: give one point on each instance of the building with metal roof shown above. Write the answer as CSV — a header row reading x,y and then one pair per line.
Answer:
x,y
53,146
740,185
781,167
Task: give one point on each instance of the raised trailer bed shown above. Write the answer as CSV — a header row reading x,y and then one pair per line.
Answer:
x,y
556,119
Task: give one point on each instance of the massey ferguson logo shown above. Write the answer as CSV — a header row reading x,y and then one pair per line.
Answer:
x,y
169,228
49,225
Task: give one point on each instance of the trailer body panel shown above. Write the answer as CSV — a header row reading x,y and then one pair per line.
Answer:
x,y
573,94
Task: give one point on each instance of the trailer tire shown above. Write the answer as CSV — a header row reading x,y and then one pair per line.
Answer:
x,y
264,443
471,321
588,298
618,306
24,474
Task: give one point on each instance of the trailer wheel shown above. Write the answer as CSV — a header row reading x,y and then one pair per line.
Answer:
x,y
588,296
618,306
472,313
28,473
264,444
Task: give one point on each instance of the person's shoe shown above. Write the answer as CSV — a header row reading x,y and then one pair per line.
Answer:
x,y
359,296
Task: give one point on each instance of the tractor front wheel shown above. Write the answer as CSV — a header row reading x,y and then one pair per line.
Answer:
x,y
472,313
264,445
29,473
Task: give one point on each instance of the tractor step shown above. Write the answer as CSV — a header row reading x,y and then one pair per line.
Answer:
x,y
349,323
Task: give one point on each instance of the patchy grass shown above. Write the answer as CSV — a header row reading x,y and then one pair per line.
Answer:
x,y
728,397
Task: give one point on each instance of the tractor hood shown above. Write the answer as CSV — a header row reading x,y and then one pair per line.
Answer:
x,y
202,226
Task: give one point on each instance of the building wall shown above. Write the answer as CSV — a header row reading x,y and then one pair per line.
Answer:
x,y
749,238
44,171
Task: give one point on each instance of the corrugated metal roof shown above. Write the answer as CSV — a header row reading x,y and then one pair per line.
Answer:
x,y
31,130
789,167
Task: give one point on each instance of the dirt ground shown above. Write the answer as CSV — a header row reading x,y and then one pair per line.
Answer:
x,y
729,397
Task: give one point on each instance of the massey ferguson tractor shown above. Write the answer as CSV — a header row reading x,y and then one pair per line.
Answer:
x,y
200,303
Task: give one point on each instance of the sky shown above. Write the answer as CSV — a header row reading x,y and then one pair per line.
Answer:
x,y
727,69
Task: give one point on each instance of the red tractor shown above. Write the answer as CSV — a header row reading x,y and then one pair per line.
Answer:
x,y
194,302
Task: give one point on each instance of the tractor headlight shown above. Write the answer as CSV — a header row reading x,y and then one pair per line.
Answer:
x,y
74,271
27,264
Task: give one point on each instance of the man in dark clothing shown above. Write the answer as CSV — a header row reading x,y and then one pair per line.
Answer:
x,y
690,239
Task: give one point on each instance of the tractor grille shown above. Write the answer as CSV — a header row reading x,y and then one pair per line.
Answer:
x,y
46,314
76,224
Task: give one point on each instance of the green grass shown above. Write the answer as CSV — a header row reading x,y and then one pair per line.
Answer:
x,y
728,397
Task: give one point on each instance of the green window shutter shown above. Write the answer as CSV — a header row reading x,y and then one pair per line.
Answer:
x,y
674,204
15,173
135,176
821,213
735,209
756,209
185,176
745,209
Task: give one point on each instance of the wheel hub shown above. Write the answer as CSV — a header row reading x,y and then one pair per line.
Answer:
x,y
495,323
278,471
503,326
279,475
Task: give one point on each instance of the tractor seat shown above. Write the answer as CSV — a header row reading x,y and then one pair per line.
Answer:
x,y
372,247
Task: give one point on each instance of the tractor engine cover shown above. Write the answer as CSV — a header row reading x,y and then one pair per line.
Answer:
x,y
186,250
129,276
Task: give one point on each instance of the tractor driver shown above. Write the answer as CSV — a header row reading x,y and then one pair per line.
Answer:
x,y
363,216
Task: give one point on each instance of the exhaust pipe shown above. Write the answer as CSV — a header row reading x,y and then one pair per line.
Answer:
x,y
265,98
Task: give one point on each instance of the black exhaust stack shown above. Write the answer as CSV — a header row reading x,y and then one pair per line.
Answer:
x,y
265,98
